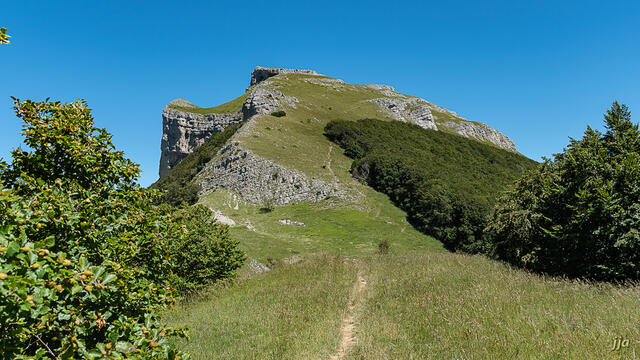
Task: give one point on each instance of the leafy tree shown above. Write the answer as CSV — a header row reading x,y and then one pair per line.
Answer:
x,y
84,268
4,38
578,214
206,254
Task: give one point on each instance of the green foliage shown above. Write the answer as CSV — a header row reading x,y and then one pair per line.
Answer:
x,y
383,246
578,214
446,183
83,265
178,183
279,113
206,254
4,38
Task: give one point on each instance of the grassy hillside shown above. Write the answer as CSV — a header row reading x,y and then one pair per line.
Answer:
x,y
418,301
430,305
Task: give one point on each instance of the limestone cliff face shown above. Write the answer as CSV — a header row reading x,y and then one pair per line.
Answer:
x,y
259,180
183,131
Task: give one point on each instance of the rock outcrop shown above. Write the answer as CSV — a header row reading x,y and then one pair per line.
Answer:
x,y
261,73
265,101
481,132
419,111
259,180
183,131
412,110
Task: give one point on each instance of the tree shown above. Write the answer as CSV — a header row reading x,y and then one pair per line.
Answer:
x,y
578,214
4,38
84,264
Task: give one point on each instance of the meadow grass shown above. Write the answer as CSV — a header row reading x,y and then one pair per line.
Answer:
x,y
452,306
290,312
428,305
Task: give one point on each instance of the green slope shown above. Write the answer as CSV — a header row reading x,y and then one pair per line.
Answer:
x,y
419,302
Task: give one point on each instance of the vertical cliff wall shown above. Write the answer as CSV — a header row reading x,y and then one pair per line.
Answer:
x,y
183,131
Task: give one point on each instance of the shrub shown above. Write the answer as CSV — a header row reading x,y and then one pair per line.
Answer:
x,y
279,113
446,183
84,269
206,254
383,246
577,214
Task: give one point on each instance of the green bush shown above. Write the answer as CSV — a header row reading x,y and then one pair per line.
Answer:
x,y
279,113
206,254
84,269
579,214
446,183
383,247
178,183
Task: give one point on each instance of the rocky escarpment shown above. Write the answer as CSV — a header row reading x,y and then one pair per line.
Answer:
x,y
261,181
183,131
420,112
481,132
261,73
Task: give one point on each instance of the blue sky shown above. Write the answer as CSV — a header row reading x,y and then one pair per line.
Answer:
x,y
539,71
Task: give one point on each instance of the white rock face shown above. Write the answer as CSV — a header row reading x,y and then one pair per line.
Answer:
x,y
265,101
482,132
411,110
259,180
184,131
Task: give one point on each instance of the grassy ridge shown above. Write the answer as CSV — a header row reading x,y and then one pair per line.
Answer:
x,y
232,106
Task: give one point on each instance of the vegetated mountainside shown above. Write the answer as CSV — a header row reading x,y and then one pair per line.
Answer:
x,y
307,249
284,160
446,184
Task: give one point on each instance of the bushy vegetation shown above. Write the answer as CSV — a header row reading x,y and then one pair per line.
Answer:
x,y
279,113
446,183
206,253
578,214
83,265
87,259
178,183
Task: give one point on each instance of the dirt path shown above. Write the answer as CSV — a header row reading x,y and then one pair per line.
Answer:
x,y
348,326
328,163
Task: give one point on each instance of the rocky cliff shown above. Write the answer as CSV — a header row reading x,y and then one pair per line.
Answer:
x,y
183,131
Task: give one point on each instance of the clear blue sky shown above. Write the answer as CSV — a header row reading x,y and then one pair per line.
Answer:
x,y
539,71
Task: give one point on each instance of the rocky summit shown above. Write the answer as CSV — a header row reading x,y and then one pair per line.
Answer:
x,y
263,160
